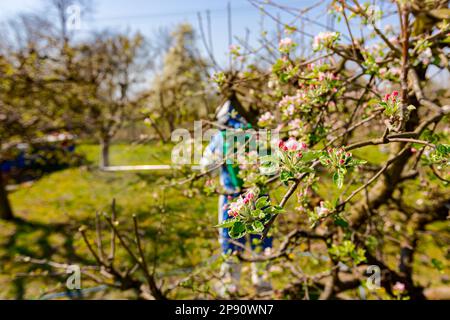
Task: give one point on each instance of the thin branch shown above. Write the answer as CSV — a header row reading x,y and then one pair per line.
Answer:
x,y
375,177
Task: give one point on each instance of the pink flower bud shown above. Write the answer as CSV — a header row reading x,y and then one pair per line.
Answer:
x,y
292,144
233,214
322,210
248,197
399,286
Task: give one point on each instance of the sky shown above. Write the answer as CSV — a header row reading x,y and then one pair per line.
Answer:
x,y
148,16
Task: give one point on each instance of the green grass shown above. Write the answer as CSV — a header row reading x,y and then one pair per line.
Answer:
x,y
179,225
137,154
374,155
182,228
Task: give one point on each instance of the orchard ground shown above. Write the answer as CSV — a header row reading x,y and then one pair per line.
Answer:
x,y
178,225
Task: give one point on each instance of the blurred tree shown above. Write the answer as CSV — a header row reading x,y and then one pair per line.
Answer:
x,y
179,91
62,12
87,88
104,77
27,109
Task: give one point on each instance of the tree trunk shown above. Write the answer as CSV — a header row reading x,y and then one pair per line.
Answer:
x,y
5,207
247,114
104,153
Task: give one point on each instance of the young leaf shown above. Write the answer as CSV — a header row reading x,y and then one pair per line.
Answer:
x,y
226,224
339,221
262,202
338,179
238,230
309,156
258,227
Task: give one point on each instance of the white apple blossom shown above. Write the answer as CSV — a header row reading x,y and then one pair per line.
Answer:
x,y
324,39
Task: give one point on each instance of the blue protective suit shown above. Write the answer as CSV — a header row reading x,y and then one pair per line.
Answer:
x,y
216,147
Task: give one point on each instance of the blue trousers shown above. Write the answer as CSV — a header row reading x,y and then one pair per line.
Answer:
x,y
224,237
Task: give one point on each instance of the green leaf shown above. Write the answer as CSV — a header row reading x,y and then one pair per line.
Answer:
x,y
339,221
262,202
437,264
278,209
356,162
309,156
269,165
274,210
258,227
443,13
257,213
226,224
262,215
238,230
285,176
442,149
371,243
306,170
338,179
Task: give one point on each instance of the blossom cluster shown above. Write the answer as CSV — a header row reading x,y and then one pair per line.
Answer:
x,y
330,76
294,158
337,157
440,156
266,119
399,287
322,210
339,161
391,104
292,145
249,214
289,104
426,56
348,252
389,73
324,40
286,45
325,210
391,97
297,127
399,290
235,50
235,207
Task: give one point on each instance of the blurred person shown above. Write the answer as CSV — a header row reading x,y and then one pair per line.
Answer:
x,y
230,121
